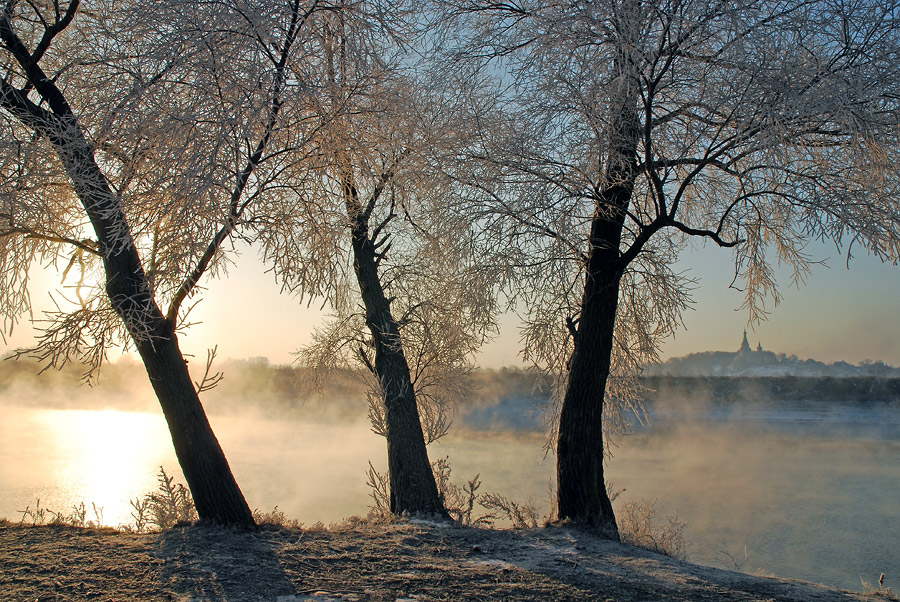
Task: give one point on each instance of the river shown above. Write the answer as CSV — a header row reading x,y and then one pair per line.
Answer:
x,y
804,492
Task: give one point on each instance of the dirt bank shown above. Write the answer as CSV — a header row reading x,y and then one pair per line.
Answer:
x,y
405,561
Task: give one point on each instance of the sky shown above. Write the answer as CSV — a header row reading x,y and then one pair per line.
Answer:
x,y
839,314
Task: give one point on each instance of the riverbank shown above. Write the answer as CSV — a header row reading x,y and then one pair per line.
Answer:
x,y
358,561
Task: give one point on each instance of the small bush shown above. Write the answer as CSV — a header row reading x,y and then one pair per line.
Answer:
x,y
169,506
639,526
522,516
275,518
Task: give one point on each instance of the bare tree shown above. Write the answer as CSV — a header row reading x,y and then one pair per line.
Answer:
x,y
639,126
133,150
408,306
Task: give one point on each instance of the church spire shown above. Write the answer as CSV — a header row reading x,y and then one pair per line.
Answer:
x,y
745,345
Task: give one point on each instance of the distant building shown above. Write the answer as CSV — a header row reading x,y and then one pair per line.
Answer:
x,y
758,362
745,345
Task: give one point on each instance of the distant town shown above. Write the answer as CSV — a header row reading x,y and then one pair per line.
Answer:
x,y
749,362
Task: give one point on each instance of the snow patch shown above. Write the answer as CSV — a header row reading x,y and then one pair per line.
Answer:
x,y
424,522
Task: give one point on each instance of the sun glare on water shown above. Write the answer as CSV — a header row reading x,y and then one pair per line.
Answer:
x,y
107,458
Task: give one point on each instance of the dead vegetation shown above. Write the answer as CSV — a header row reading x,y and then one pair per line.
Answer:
x,y
362,561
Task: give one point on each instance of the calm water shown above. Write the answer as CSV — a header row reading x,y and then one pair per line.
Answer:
x,y
809,494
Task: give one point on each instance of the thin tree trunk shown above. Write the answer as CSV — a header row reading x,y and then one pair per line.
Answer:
x,y
413,488
412,483
216,494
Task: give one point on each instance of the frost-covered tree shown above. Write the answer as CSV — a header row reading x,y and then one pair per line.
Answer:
x,y
409,307
638,126
138,139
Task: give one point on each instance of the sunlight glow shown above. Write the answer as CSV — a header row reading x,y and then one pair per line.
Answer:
x,y
103,456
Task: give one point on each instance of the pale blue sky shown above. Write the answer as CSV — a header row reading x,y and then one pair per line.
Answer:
x,y
839,314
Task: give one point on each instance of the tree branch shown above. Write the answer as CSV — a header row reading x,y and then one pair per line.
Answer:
x,y
236,208
86,245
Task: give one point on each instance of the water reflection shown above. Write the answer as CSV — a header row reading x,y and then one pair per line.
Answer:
x,y
806,505
66,457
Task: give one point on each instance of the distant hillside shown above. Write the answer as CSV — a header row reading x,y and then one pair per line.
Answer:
x,y
742,389
491,397
763,363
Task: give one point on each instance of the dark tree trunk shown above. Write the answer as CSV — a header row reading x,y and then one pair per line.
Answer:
x,y
216,494
581,486
581,492
413,488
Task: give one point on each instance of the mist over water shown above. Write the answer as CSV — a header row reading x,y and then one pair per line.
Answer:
x,y
809,489
805,506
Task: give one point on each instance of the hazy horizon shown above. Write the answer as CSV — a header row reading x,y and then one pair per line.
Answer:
x,y
840,314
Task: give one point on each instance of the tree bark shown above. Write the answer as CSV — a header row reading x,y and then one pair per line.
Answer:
x,y
412,483
581,486
216,494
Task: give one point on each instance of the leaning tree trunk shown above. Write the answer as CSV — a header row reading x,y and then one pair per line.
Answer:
x,y
412,484
581,487
216,494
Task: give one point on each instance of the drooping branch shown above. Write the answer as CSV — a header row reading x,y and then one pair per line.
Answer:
x,y
86,245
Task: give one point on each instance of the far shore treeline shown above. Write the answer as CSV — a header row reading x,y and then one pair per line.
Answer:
x,y
255,384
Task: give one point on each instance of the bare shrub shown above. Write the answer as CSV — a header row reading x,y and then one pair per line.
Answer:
x,y
140,513
640,526
380,492
166,508
523,516
732,562
877,590
458,501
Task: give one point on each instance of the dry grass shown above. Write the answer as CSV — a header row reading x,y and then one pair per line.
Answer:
x,y
640,525
77,517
